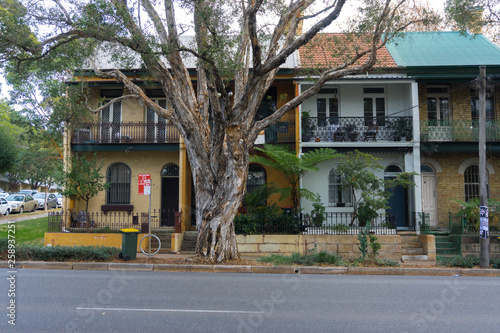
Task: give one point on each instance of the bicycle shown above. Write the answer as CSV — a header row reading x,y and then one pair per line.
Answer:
x,y
151,242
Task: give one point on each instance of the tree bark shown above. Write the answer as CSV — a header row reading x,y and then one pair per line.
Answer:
x,y
220,188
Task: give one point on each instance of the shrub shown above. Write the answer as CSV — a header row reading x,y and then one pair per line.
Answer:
x,y
4,245
340,228
458,261
387,262
62,253
495,263
311,259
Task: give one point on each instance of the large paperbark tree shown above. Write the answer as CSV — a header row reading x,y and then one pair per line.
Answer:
x,y
238,47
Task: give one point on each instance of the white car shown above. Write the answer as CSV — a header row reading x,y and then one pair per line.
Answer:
x,y
51,200
21,203
59,200
4,207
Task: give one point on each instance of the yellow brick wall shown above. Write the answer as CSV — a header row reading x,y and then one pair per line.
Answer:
x,y
139,162
88,239
450,184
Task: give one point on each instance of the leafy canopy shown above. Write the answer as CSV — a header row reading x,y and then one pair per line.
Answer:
x,y
293,167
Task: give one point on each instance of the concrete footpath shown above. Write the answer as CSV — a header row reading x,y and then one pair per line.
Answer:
x,y
130,266
186,267
16,217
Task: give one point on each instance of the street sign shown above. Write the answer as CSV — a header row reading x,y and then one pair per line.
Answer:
x,y
144,184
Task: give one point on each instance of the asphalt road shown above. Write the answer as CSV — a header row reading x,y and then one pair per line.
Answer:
x,y
117,301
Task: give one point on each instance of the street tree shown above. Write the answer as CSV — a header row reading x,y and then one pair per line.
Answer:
x,y
358,173
8,138
83,180
237,49
475,16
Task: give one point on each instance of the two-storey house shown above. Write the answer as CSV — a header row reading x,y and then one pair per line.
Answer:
x,y
445,66
133,140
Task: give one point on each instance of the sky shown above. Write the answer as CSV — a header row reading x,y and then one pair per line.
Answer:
x,y
436,4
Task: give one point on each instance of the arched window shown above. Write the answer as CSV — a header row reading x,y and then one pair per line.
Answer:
x,y
118,176
471,182
338,195
170,170
424,168
256,177
392,169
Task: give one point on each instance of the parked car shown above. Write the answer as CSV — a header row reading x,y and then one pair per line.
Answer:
x,y
4,195
4,207
22,202
28,192
51,201
59,200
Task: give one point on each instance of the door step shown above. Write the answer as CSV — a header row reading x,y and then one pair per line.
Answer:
x,y
419,263
407,257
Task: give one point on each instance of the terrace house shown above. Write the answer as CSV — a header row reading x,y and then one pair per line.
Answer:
x,y
132,140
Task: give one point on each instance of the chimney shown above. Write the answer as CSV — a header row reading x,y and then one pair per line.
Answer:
x,y
476,21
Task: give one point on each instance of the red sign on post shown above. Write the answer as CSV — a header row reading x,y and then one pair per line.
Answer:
x,y
144,184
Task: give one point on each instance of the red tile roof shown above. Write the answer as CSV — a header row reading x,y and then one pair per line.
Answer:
x,y
328,50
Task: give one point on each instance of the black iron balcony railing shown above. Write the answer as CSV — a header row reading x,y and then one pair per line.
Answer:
x,y
143,132
457,130
282,131
356,129
125,132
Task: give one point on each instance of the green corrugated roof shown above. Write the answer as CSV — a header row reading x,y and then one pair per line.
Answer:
x,y
420,49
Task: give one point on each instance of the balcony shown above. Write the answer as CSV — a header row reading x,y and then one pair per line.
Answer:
x,y
125,132
141,132
280,132
457,130
354,129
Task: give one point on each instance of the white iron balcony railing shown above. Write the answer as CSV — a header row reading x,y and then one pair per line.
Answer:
x,y
353,129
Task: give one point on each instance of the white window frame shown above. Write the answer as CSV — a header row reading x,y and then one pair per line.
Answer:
x,y
374,97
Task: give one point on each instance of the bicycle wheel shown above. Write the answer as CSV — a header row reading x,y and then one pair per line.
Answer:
x,y
155,243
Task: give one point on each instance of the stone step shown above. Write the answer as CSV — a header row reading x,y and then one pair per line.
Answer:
x,y
407,257
407,233
409,239
412,250
447,245
450,252
419,263
162,231
411,244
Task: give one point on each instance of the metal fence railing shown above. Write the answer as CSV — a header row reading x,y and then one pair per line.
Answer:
x,y
69,221
460,225
331,224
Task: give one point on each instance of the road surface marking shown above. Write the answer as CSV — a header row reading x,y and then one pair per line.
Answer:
x,y
167,310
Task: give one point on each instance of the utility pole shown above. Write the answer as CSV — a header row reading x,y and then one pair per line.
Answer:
x,y
484,240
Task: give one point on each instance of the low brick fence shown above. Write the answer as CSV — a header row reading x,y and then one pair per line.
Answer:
x,y
343,245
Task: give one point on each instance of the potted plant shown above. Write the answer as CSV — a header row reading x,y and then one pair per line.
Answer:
x,y
400,129
318,212
308,126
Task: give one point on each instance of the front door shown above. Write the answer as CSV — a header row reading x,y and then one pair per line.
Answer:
x,y
397,204
398,201
429,203
169,195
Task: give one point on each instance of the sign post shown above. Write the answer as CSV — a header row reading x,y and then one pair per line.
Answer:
x,y
145,189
